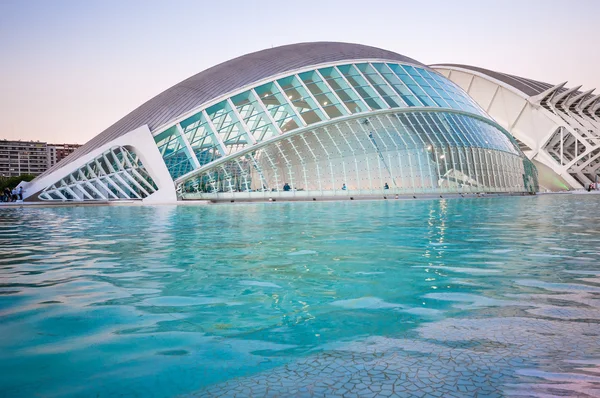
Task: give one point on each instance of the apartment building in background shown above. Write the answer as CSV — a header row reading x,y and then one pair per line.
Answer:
x,y
30,157
57,152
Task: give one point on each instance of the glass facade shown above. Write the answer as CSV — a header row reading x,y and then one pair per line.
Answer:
x,y
115,175
388,153
299,101
361,127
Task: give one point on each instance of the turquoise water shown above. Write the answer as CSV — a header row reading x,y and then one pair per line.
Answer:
x,y
495,296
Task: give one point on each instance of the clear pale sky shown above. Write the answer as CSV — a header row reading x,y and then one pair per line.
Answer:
x,y
69,69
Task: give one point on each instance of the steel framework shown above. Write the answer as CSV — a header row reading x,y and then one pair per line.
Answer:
x,y
556,126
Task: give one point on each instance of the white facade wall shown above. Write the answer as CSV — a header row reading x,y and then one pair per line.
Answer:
x,y
535,126
142,143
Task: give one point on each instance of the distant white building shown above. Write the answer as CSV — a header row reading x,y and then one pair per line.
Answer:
x,y
23,157
558,127
30,157
297,122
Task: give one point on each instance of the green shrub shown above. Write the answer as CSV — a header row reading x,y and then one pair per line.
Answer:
x,y
11,182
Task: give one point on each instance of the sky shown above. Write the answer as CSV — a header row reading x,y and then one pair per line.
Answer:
x,y
71,68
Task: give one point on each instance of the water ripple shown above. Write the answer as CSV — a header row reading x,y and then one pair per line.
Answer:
x,y
494,296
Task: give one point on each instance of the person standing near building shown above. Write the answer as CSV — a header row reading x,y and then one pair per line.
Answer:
x,y
20,193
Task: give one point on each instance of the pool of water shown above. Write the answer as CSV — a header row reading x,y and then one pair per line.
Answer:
x,y
490,296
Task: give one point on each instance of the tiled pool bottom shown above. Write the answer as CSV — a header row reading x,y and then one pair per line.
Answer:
x,y
473,297
483,357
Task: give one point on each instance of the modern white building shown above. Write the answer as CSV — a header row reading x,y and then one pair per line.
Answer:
x,y
302,121
557,127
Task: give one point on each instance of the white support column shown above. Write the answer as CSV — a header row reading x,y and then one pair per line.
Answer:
x,y
418,85
429,117
91,186
398,153
100,182
83,191
353,155
212,182
315,160
227,176
375,148
68,189
473,144
468,90
244,175
335,145
134,182
188,146
414,135
484,162
360,98
384,80
249,135
364,153
514,123
310,94
266,111
117,187
146,183
455,131
117,176
287,163
57,192
562,140
111,173
302,162
397,119
372,87
215,134
274,167
328,157
332,91
487,108
261,176
292,107
397,150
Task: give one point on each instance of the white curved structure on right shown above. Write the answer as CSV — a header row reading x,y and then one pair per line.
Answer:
x,y
557,127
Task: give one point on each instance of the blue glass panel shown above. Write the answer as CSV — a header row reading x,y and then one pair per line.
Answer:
x,y
201,138
301,100
343,90
254,116
405,93
383,89
362,87
228,127
330,103
278,107
174,152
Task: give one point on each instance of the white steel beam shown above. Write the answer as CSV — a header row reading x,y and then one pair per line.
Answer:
x,y
188,146
215,134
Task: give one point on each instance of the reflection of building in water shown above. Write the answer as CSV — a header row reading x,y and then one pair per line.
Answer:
x,y
315,116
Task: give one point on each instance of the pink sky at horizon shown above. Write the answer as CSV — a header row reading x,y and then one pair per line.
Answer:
x,y
70,69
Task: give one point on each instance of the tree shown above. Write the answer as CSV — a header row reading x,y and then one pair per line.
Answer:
x,y
11,182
